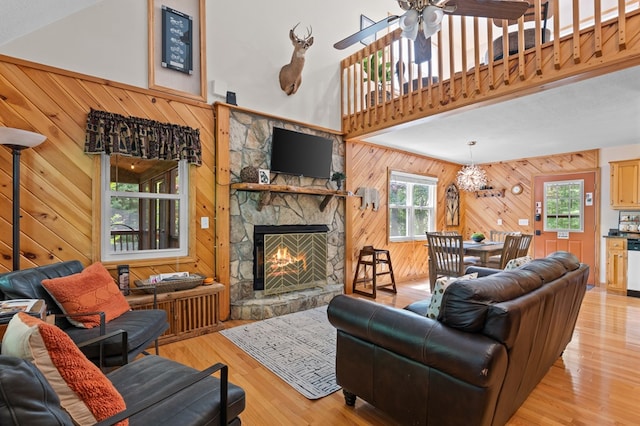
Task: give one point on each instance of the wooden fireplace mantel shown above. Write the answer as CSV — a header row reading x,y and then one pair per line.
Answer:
x,y
266,190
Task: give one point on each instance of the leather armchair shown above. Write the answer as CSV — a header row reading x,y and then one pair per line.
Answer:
x,y
142,327
157,391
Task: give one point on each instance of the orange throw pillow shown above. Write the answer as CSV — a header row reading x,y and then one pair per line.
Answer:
x,y
92,290
85,393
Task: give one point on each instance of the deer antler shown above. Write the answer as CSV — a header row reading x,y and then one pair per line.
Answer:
x,y
306,37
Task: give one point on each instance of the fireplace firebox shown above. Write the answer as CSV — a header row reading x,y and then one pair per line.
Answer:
x,y
289,257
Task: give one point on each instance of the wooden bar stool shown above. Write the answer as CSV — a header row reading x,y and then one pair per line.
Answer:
x,y
375,259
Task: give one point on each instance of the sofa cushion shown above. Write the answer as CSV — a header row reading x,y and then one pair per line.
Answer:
x,y
433,311
141,327
465,303
199,404
26,398
85,393
517,262
547,269
92,290
568,260
27,283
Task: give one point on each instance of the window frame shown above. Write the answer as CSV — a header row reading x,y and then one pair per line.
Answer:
x,y
106,254
411,179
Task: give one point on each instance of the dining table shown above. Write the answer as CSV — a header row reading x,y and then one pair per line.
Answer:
x,y
483,250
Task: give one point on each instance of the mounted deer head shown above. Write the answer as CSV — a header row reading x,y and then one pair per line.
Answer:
x,y
291,74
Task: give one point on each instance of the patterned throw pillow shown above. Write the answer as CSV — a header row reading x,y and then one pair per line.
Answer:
x,y
438,292
85,393
517,262
92,290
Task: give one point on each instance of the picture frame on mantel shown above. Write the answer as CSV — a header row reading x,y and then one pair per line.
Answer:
x,y
164,75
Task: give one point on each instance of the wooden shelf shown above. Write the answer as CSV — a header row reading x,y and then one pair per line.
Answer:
x,y
490,193
266,190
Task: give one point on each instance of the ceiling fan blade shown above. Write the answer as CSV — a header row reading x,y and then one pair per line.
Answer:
x,y
500,9
365,32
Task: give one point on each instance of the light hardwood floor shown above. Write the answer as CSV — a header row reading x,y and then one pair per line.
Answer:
x,y
595,382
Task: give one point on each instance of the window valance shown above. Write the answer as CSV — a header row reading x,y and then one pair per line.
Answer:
x,y
111,133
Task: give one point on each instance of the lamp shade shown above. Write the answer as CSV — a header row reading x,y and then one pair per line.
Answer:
x,y
409,23
431,20
19,138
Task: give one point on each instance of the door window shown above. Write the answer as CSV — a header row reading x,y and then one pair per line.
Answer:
x,y
563,206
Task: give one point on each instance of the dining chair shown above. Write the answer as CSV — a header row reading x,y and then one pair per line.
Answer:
x,y
446,256
525,242
509,251
499,236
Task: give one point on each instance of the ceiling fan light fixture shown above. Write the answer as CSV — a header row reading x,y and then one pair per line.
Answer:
x,y
431,20
409,23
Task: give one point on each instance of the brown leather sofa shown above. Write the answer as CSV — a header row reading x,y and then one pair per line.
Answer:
x,y
494,340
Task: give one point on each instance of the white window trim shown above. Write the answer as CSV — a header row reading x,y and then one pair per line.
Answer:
x,y
411,178
183,197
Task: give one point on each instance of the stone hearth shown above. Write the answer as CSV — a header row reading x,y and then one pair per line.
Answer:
x,y
260,308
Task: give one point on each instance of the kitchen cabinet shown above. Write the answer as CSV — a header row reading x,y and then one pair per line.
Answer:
x,y
617,265
625,185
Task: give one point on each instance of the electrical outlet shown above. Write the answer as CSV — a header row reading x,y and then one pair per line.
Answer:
x,y
523,222
204,222
499,221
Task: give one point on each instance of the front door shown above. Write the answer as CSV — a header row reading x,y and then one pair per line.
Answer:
x,y
565,217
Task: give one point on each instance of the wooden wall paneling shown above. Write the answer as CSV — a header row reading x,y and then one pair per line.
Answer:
x,y
59,188
369,164
45,170
368,167
481,214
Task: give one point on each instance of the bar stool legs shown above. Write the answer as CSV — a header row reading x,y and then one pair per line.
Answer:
x,y
373,259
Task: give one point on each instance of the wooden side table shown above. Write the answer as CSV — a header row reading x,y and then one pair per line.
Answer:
x,y
190,312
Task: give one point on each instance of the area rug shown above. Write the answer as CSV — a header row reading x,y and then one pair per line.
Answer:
x,y
300,348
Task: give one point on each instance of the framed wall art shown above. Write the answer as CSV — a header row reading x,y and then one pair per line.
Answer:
x,y
177,58
177,40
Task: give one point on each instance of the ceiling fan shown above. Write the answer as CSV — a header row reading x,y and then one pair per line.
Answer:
x,y
422,18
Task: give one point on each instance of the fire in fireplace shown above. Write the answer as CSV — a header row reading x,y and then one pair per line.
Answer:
x,y
289,257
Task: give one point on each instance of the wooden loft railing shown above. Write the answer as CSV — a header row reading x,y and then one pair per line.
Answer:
x,y
584,41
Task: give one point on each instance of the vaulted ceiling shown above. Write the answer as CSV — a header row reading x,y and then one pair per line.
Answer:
x,y
599,112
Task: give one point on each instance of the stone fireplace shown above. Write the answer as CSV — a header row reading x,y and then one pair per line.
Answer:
x,y
250,145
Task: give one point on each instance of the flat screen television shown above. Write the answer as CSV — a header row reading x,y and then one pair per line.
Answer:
x,y
300,154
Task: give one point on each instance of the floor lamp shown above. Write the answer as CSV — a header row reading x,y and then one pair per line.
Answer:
x,y
17,140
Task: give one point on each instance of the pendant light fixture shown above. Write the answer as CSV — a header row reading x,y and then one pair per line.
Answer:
x,y
471,178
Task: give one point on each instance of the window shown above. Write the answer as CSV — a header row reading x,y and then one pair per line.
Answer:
x,y
412,206
144,207
563,208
